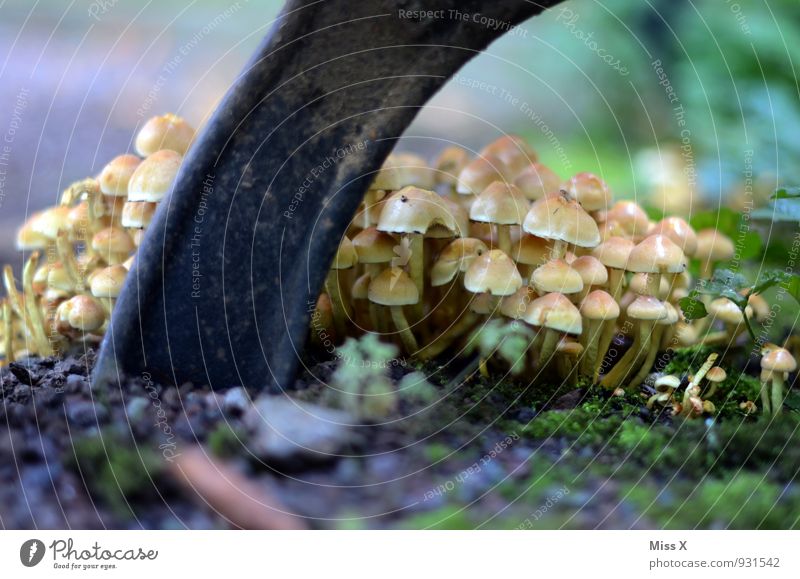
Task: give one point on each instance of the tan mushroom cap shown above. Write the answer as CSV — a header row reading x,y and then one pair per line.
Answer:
x,y
725,311
778,360
164,132
668,382
346,256
599,305
569,347
50,221
116,174
500,203
556,276
647,308
760,307
672,316
589,190
680,232
716,375
591,270
456,257
479,174
360,289
108,281
137,214
713,246
414,210
614,252
449,164
389,177
531,250
393,287
638,284
78,216
656,254
493,272
112,240
515,305
413,171
374,246
58,279
459,215
85,313
632,218
28,239
556,312
513,151
153,178
481,304
537,181
557,217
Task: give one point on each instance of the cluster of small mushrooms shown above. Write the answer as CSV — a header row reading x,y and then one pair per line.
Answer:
x,y
79,252
436,250
433,252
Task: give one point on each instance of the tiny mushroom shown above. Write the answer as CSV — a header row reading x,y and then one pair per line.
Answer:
x,y
502,205
775,367
555,313
562,220
164,132
394,288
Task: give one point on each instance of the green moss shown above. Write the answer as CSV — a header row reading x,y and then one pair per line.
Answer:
x,y
224,441
449,517
685,360
436,452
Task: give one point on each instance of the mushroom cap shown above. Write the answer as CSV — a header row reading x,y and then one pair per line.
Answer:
x,y
589,190
647,308
85,313
569,347
481,304
638,284
50,221
500,203
556,276
460,216
630,217
57,279
513,151
656,254
668,382
112,240
450,162
725,311
599,305
137,214
78,215
614,252
360,289
413,170
374,246
716,374
760,307
414,210
680,232
346,256
393,287
779,360
164,132
713,246
153,178
108,281
531,250
493,272
672,316
389,177
28,239
537,181
116,174
591,270
457,256
557,217
556,312
479,173
515,305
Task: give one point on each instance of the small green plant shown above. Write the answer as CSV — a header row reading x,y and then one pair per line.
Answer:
x,y
507,340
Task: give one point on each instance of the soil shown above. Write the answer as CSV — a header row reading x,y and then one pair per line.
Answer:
x,y
487,454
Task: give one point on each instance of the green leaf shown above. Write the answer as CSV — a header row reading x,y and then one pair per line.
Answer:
x,y
693,309
786,193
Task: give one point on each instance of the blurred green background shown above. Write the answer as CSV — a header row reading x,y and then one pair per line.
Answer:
x,y
675,102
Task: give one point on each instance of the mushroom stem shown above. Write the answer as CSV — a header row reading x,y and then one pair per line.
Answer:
x,y
650,358
765,400
32,306
504,238
559,249
549,345
777,393
590,340
66,256
616,280
8,332
337,303
451,334
627,363
416,269
401,323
